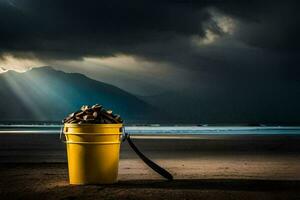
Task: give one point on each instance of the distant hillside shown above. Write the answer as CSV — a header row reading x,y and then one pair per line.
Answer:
x,y
277,105
45,94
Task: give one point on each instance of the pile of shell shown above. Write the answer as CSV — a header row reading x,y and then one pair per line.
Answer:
x,y
93,115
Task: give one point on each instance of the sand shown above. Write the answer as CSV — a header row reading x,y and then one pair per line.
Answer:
x,y
34,167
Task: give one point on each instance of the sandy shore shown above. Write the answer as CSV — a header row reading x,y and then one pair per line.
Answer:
x,y
34,167
49,181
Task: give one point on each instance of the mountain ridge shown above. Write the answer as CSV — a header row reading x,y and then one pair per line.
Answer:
x,y
45,93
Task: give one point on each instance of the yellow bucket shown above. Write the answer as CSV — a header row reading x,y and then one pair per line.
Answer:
x,y
93,152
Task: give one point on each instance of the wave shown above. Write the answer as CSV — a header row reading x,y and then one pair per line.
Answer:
x,y
180,130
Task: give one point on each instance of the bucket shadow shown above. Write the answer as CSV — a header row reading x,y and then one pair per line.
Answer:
x,y
213,184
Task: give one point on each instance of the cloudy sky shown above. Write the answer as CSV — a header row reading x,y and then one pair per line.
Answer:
x,y
156,47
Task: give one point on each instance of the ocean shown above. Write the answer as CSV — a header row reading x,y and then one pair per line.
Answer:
x,y
166,130
42,144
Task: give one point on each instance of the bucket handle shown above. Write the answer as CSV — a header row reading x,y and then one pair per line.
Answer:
x,y
60,135
164,173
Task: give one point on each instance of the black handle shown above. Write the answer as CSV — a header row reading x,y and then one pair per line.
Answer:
x,y
149,162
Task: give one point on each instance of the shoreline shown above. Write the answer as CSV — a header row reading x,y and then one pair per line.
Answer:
x,y
28,148
187,132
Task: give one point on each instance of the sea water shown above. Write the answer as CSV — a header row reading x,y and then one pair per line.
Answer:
x,y
172,130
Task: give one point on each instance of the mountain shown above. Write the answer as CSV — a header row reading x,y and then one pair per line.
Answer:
x,y
46,94
269,104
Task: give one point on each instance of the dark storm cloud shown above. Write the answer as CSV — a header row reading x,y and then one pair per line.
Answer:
x,y
93,27
158,31
72,29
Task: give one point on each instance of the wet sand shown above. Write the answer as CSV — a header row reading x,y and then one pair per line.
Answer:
x,y
206,167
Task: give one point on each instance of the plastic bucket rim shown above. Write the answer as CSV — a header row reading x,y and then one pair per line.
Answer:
x,y
94,134
94,125
92,143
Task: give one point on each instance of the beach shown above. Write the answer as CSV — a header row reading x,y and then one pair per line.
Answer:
x,y
204,167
